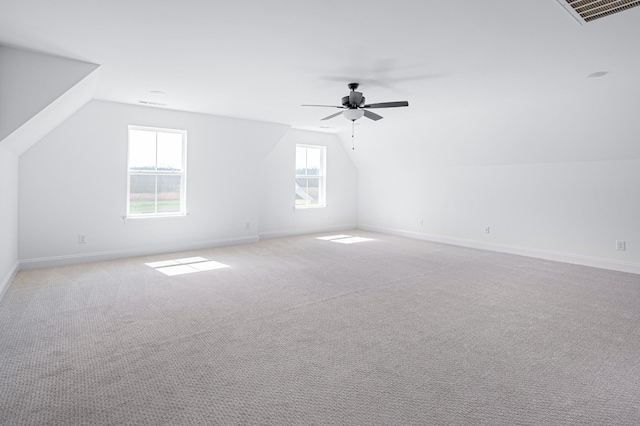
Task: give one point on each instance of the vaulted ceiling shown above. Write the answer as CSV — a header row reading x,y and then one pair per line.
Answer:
x,y
488,82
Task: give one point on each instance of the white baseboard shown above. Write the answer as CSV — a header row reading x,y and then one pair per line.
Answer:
x,y
8,279
72,259
577,259
304,231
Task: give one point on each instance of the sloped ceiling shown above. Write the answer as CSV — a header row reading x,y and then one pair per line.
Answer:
x,y
488,82
39,91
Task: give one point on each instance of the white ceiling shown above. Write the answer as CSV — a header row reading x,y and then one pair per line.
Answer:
x,y
501,69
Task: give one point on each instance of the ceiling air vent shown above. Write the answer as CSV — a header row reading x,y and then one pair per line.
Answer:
x,y
589,10
152,103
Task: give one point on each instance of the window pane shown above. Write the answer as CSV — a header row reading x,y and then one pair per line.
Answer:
x,y
313,161
301,160
142,150
313,189
301,192
142,194
169,151
310,179
307,191
169,194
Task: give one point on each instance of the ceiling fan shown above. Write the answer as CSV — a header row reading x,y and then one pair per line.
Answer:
x,y
354,106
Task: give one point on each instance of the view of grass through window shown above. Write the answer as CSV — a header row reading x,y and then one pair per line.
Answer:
x,y
156,171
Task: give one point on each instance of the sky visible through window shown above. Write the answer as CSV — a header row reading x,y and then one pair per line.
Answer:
x,y
145,154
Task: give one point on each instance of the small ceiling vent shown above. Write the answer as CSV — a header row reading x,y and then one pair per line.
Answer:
x,y
152,103
589,10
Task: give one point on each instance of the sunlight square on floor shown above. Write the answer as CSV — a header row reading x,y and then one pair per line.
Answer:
x,y
188,265
345,239
352,240
333,237
191,260
208,266
162,263
177,270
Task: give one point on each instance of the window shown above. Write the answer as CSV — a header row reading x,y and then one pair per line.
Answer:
x,y
310,176
157,172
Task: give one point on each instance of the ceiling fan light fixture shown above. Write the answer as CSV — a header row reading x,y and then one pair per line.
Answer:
x,y
353,114
354,106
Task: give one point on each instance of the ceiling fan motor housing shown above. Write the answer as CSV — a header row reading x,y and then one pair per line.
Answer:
x,y
354,100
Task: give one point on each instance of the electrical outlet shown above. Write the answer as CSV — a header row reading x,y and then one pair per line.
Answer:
x,y
421,222
487,230
82,238
621,245
247,226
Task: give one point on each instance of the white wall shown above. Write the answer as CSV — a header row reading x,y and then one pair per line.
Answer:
x,y
556,175
239,172
74,181
569,211
8,218
278,215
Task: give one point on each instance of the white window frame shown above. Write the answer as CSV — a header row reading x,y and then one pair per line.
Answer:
x,y
182,173
322,176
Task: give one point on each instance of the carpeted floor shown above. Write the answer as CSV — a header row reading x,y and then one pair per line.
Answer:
x,y
305,331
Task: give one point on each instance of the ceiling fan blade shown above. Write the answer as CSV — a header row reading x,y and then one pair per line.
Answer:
x,y
328,106
333,115
372,115
388,105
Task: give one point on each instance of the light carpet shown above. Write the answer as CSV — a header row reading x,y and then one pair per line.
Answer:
x,y
302,331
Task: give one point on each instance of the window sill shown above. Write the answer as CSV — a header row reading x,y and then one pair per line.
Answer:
x,y
154,216
309,207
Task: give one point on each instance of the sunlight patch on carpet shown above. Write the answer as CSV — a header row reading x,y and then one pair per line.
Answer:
x,y
333,237
345,239
188,265
352,240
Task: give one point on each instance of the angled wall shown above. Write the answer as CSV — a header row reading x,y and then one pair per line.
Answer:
x,y
74,182
279,217
8,218
38,92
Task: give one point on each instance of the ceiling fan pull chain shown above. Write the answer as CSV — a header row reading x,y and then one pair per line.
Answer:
x,y
353,142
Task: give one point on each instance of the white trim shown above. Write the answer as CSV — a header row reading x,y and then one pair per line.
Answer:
x,y
322,175
8,279
156,173
71,259
305,231
310,206
577,259
154,215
